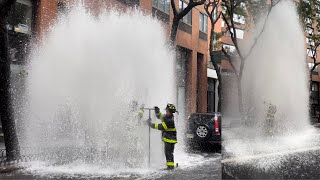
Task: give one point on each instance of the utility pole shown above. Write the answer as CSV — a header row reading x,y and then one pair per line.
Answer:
x,y
6,113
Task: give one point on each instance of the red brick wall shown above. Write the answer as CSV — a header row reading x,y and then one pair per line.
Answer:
x,y
203,83
46,14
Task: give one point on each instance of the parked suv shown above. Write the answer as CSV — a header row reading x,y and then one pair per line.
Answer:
x,y
203,128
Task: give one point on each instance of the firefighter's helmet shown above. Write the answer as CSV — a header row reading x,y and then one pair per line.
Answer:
x,y
171,108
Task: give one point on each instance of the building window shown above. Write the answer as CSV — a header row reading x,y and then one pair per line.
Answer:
x,y
308,21
239,19
203,23
310,41
311,66
243,6
211,95
229,48
162,5
309,31
311,52
240,33
315,87
20,18
314,98
130,2
187,18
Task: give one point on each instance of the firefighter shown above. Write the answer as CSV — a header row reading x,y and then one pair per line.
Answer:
x,y
169,133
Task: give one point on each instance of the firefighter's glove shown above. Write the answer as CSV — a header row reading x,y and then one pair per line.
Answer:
x,y
156,110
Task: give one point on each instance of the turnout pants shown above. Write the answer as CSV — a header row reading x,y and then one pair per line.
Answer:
x,y
168,150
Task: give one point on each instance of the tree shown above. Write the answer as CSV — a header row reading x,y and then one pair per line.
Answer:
x,y
178,15
8,124
211,7
309,17
249,9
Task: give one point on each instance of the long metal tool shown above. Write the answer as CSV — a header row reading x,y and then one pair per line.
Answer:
x,y
149,109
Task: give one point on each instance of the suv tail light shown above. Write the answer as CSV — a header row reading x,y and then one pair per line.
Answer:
x,y
216,125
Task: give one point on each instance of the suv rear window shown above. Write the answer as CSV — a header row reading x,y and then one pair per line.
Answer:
x,y
207,117
201,117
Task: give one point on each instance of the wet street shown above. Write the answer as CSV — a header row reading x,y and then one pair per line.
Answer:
x,y
299,163
210,168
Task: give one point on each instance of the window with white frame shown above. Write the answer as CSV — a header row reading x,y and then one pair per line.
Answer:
x,y
239,19
310,52
162,5
222,23
310,41
309,31
243,5
187,18
311,66
229,48
203,22
308,20
240,33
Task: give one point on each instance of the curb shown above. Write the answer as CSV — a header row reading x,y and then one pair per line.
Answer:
x,y
9,169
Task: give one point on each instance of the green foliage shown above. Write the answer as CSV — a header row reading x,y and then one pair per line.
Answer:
x,y
246,8
309,14
255,8
305,11
308,11
217,45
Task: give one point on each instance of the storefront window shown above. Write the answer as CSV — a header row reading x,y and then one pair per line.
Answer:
x,y
20,18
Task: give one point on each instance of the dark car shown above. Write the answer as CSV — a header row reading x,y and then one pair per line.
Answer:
x,y
203,129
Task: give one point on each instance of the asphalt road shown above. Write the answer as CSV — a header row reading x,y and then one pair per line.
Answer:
x,y
294,163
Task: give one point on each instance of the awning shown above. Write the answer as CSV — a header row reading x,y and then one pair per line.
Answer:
x,y
212,73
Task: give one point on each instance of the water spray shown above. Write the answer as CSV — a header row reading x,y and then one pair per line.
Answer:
x,y
149,120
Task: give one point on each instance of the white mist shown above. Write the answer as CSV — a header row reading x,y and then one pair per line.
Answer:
x,y
81,82
275,73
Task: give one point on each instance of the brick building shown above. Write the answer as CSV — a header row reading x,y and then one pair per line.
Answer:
x,y
312,28
31,19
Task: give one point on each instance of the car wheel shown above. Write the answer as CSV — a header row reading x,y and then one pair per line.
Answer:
x,y
202,132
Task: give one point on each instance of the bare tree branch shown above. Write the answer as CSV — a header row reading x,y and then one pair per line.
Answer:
x,y
214,4
218,17
177,16
274,4
174,8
